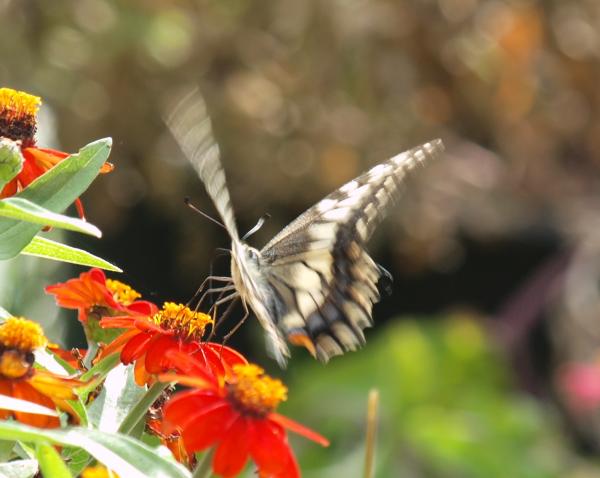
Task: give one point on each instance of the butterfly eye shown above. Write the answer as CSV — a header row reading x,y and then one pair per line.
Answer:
x,y
252,254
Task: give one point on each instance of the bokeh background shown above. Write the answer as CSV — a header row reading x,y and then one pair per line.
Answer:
x,y
486,354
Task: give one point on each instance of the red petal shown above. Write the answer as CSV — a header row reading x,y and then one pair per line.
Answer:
x,y
232,452
298,428
203,427
142,307
117,322
221,358
268,446
178,409
190,366
157,358
9,189
136,346
117,344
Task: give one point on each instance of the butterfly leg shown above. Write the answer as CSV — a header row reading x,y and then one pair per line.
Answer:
x,y
215,290
203,285
239,324
221,319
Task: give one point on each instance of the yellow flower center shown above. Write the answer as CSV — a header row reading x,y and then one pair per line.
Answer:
x,y
253,392
17,115
122,293
19,337
182,320
21,334
98,471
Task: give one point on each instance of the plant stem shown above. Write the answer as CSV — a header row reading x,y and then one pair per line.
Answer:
x,y
138,412
372,408
203,470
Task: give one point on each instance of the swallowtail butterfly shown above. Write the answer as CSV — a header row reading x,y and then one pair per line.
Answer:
x,y
313,283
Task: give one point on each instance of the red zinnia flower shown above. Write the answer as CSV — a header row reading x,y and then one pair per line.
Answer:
x,y
18,112
93,294
235,414
174,327
19,379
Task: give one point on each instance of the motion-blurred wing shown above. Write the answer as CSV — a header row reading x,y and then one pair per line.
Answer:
x,y
324,283
190,125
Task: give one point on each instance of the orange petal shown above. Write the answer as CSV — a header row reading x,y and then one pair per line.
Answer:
x,y
298,428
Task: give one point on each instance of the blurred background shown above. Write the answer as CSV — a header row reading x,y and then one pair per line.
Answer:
x,y
486,355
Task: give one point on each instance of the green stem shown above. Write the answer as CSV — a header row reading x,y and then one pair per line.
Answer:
x,y
203,470
138,412
92,349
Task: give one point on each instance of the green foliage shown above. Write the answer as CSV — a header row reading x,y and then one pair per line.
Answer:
x,y
24,210
24,215
126,456
42,247
448,408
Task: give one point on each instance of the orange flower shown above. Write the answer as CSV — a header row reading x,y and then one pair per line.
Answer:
x,y
235,414
92,294
18,339
174,327
18,122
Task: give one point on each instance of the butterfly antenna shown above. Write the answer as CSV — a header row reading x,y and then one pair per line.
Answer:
x,y
258,225
188,203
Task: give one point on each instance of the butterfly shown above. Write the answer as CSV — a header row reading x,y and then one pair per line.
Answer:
x,y
313,284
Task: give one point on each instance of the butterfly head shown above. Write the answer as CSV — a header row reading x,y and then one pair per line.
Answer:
x,y
245,266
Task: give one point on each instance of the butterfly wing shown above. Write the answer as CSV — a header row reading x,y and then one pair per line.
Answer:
x,y
190,125
323,282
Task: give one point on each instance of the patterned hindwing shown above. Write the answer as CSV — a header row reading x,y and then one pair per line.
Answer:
x,y
323,282
190,125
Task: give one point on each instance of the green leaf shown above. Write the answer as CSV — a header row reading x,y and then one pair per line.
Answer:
x,y
54,190
124,455
18,405
42,247
51,464
19,469
11,160
119,395
24,210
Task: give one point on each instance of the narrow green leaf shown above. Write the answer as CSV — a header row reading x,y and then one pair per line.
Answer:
x,y
42,247
51,464
11,160
122,454
54,190
19,469
24,210
139,411
18,405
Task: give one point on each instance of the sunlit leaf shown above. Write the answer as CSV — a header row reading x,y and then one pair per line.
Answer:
x,y
126,456
18,405
51,463
119,395
55,190
24,210
42,247
19,469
